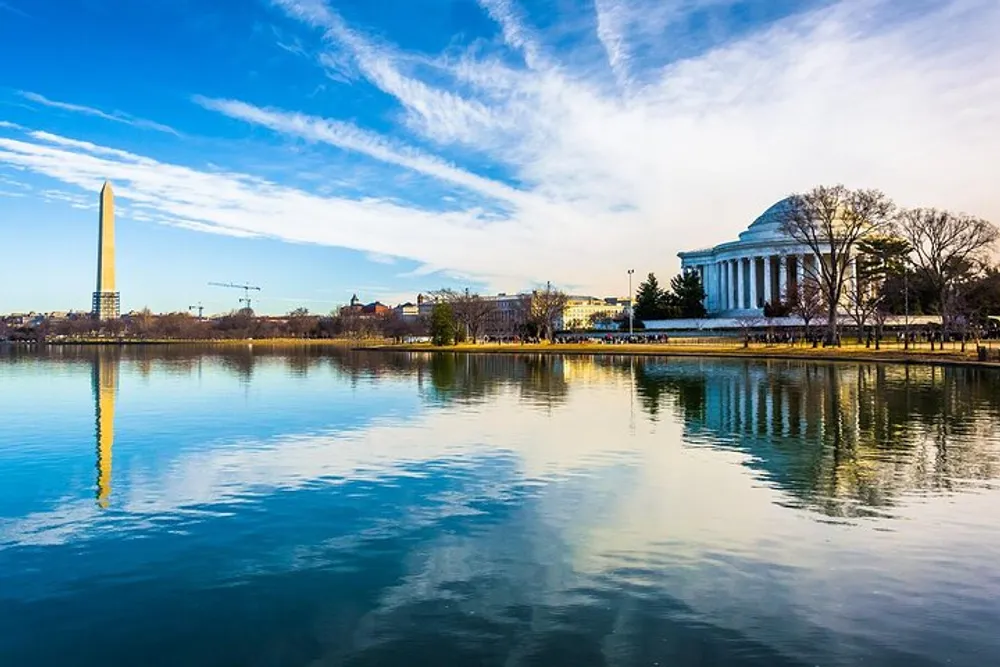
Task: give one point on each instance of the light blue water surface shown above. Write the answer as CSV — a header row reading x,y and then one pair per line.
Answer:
x,y
244,506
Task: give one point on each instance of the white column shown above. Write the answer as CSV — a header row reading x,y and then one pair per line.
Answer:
x,y
745,275
740,278
706,284
703,279
783,278
732,284
800,271
727,295
753,282
768,287
715,286
723,276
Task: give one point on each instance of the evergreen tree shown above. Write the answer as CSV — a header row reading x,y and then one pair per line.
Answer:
x,y
650,300
688,295
442,326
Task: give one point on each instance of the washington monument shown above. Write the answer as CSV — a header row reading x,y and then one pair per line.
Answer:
x,y
106,306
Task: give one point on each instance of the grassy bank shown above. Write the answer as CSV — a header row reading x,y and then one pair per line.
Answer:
x,y
847,352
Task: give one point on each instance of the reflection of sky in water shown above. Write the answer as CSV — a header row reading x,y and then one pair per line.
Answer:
x,y
570,512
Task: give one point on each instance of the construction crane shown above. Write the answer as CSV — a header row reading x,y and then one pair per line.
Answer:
x,y
199,308
246,291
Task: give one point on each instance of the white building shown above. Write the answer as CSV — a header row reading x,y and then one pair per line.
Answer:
x,y
580,312
764,265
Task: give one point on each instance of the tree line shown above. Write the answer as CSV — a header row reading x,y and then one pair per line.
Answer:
x,y
239,324
684,299
874,259
459,316
456,316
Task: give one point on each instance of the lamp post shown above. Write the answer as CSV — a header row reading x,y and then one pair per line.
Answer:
x,y
906,301
630,302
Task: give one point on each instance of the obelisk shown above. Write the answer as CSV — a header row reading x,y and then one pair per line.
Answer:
x,y
106,305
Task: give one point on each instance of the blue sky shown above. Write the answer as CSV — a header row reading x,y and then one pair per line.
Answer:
x,y
324,147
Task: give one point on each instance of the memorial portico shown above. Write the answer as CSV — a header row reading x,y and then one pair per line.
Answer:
x,y
764,265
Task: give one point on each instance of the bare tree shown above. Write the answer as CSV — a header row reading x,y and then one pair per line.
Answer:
x,y
509,319
353,324
830,221
807,302
879,316
544,308
747,323
300,323
947,247
472,312
399,329
143,323
863,298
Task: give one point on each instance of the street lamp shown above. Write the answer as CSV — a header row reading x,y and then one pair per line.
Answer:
x,y
631,309
906,301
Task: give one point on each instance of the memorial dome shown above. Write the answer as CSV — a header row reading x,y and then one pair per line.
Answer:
x,y
768,224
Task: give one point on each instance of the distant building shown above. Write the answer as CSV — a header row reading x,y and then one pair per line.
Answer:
x,y
407,311
505,320
377,308
374,309
588,312
509,315
511,310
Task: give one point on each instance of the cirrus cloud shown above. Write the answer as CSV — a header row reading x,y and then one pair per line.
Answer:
x,y
540,169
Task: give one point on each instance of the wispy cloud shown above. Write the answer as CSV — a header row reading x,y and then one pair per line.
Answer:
x,y
546,166
515,33
6,124
237,204
380,258
611,32
114,116
74,199
10,182
7,7
349,137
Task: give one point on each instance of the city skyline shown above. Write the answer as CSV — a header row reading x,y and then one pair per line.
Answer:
x,y
321,149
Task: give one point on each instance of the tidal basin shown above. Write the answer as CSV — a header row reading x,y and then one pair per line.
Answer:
x,y
174,505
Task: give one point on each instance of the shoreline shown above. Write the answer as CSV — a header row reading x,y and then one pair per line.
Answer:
x,y
779,352
850,352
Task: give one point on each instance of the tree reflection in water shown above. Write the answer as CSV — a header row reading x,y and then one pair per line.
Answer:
x,y
844,439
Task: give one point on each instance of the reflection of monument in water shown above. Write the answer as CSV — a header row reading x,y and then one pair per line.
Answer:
x,y
844,439
105,383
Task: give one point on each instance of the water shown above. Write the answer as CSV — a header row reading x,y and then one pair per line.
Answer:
x,y
234,506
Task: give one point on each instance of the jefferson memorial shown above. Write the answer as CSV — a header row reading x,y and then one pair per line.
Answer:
x,y
764,265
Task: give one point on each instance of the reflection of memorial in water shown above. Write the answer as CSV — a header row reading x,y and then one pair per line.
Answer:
x,y
845,439
105,385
